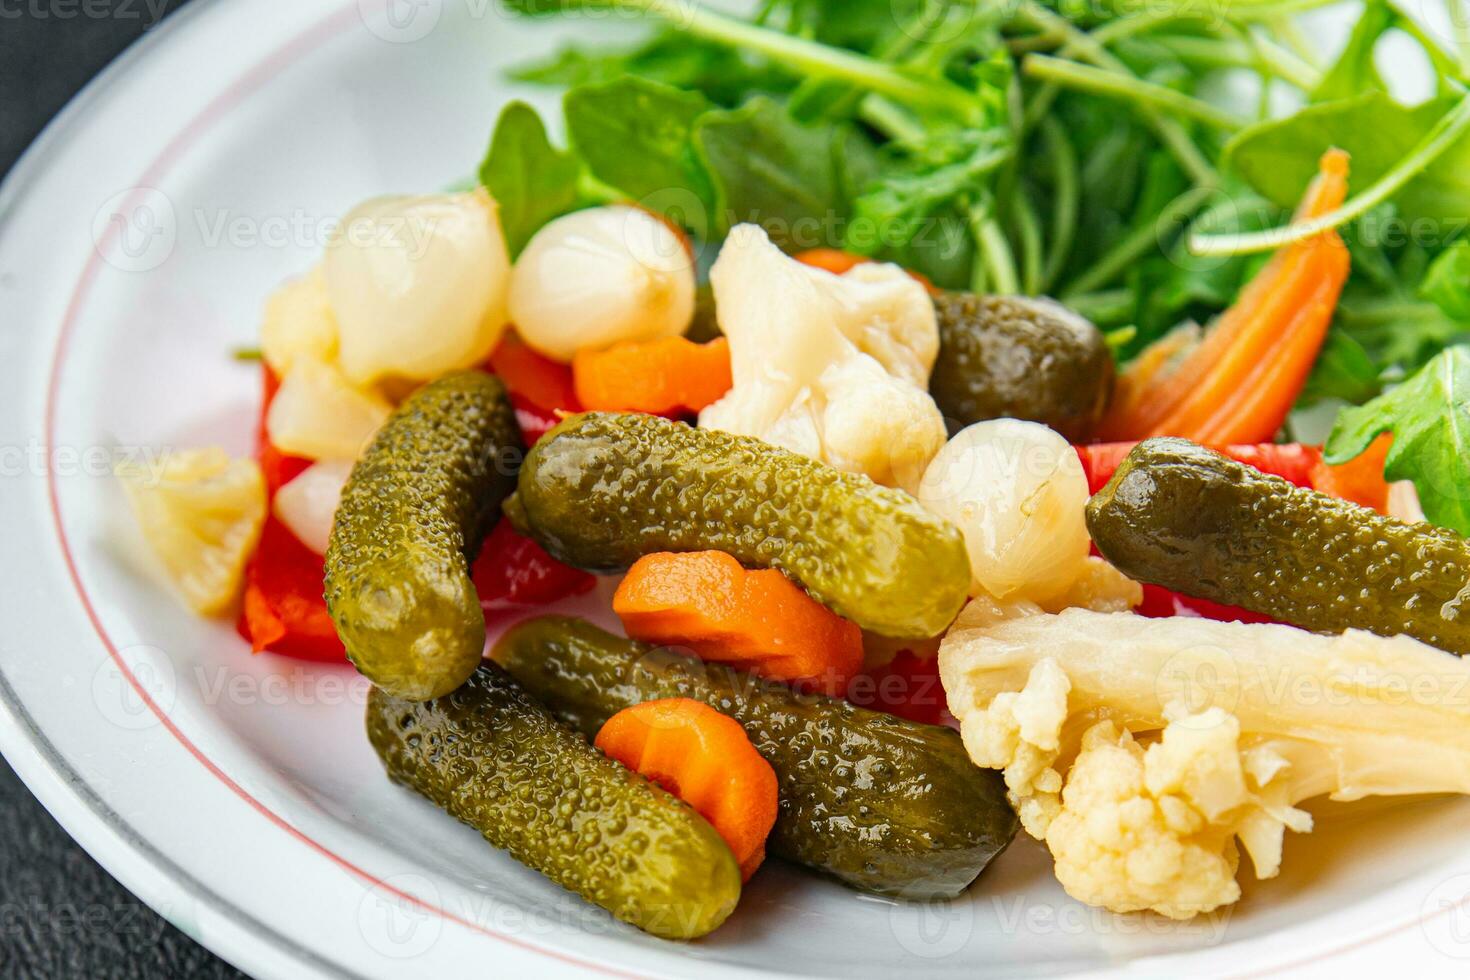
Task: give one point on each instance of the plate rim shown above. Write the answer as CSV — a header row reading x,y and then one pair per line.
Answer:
x,y
72,799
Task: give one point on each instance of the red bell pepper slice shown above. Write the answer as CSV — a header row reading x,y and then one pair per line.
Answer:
x,y
540,389
284,609
1293,462
908,687
514,572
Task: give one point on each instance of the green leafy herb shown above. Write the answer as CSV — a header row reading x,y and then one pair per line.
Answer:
x,y
1280,157
1447,283
768,168
531,180
1344,371
1429,416
1354,73
637,135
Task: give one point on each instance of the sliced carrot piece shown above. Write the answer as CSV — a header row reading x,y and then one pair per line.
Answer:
x,y
759,621
661,377
838,262
1238,383
705,759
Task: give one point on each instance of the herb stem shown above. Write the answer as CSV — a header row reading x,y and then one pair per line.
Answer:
x,y
1169,131
1137,243
1288,29
889,119
1384,312
996,259
1100,81
1460,24
1219,52
1450,127
1066,195
1028,234
803,55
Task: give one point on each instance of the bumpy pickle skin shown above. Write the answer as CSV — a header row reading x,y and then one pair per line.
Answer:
x,y
1179,515
602,490
1014,357
883,805
494,758
413,514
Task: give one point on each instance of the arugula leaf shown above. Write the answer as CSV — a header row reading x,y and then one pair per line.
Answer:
x,y
767,168
1447,283
1354,73
532,181
944,170
1279,157
1344,371
636,134
1429,416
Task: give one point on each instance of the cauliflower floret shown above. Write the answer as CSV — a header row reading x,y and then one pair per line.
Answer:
x,y
1121,844
833,367
1180,737
1020,732
202,514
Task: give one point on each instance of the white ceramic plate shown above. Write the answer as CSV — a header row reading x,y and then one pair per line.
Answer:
x,y
236,794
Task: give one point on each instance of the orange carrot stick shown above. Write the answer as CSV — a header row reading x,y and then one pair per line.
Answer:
x,y
706,759
1238,383
660,377
757,620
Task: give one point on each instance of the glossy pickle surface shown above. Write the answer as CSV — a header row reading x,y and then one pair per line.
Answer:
x,y
882,804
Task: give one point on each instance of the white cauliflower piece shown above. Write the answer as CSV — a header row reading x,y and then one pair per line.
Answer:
x,y
1181,737
1121,844
202,514
833,367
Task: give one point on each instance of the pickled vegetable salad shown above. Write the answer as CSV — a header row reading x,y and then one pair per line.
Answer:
x,y
847,469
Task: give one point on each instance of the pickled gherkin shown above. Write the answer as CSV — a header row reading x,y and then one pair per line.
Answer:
x,y
413,515
881,804
1179,515
602,490
1021,358
495,759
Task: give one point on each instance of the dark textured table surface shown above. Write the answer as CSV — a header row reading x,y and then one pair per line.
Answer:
x,y
61,915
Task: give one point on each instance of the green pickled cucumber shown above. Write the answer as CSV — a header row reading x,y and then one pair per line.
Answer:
x,y
1015,357
413,514
601,491
495,759
881,804
1179,515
